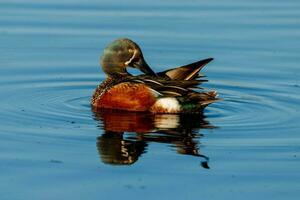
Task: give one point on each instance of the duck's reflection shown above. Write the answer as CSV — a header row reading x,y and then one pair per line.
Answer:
x,y
127,134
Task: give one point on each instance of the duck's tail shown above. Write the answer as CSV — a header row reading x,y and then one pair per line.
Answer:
x,y
196,102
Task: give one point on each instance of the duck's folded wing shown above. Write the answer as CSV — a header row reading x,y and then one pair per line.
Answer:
x,y
186,72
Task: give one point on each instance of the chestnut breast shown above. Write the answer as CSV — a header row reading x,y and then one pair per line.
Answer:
x,y
127,96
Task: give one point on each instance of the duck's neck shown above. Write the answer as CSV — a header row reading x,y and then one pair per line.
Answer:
x,y
116,72
118,75
111,71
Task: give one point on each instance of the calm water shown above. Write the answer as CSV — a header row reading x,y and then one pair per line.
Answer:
x,y
53,146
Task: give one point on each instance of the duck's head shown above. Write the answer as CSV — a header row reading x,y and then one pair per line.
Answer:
x,y
123,53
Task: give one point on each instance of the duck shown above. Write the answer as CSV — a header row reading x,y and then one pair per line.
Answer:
x,y
175,90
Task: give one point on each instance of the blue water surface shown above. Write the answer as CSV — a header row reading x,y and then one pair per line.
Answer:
x,y
53,146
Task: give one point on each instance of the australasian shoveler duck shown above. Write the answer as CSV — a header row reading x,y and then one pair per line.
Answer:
x,y
172,91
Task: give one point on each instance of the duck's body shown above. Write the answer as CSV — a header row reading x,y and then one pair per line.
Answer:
x,y
171,91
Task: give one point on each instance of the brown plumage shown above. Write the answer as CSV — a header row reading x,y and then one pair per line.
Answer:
x,y
124,97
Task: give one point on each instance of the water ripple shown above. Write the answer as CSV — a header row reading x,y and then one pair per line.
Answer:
x,y
49,100
257,108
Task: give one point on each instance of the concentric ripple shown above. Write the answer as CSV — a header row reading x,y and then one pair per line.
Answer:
x,y
253,107
51,101
60,101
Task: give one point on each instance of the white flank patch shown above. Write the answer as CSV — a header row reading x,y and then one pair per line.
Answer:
x,y
169,104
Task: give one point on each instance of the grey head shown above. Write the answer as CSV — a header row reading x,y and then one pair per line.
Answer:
x,y
123,53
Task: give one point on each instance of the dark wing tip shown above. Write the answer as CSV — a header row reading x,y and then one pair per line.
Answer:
x,y
203,62
195,67
208,60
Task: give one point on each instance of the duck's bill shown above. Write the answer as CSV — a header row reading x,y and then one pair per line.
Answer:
x,y
144,67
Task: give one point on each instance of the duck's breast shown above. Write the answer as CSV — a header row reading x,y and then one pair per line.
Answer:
x,y
127,96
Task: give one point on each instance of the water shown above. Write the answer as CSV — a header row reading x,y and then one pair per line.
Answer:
x,y
53,146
